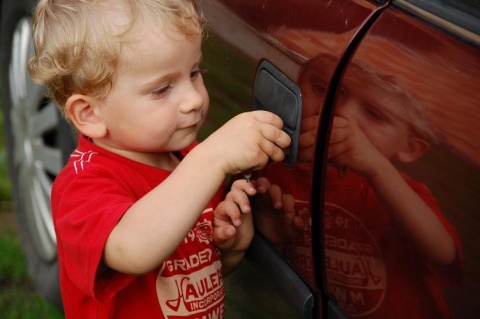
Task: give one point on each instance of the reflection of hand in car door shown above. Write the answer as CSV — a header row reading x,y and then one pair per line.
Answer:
x,y
275,216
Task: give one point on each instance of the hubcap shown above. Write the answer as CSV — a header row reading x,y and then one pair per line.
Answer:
x,y
37,158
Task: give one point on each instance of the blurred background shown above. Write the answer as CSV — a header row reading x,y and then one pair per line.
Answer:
x,y
18,300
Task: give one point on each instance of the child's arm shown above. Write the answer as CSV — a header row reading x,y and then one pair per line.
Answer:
x,y
233,226
155,225
424,227
351,149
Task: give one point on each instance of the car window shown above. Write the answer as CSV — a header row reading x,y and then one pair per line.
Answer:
x,y
460,17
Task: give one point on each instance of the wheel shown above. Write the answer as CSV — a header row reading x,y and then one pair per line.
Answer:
x,y
38,143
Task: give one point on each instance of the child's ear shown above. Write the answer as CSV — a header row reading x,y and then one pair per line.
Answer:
x,y
81,110
415,148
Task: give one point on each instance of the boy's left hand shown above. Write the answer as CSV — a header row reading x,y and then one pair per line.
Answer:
x,y
233,225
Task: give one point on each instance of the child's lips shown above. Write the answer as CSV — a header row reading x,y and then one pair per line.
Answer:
x,y
192,125
196,122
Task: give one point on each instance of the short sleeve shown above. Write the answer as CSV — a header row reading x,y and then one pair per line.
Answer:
x,y
86,209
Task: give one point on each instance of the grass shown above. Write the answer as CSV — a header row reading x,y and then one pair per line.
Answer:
x,y
5,189
18,300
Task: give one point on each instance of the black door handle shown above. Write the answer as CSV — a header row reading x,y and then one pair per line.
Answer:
x,y
276,93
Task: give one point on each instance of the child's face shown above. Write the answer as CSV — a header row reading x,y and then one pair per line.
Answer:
x,y
382,118
158,101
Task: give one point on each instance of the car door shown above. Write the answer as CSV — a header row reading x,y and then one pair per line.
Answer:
x,y
417,67
284,56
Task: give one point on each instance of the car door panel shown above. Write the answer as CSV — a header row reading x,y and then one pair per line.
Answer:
x,y
410,70
249,32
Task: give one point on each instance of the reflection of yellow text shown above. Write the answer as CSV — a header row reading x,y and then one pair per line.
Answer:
x,y
345,245
339,278
300,260
354,271
349,296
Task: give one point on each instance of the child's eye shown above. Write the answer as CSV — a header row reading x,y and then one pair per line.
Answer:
x,y
196,72
375,114
318,84
158,93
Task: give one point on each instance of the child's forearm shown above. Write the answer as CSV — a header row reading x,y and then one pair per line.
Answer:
x,y
155,225
420,222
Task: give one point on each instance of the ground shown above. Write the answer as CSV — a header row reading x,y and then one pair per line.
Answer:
x,y
7,217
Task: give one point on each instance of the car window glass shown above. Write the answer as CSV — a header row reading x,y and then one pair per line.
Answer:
x,y
460,17
471,7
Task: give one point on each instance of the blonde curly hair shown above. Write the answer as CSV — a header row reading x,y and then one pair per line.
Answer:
x,y
78,43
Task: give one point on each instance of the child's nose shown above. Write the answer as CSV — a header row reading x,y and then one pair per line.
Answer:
x,y
193,100
346,108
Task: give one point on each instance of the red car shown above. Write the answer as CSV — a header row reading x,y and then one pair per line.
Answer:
x,y
381,185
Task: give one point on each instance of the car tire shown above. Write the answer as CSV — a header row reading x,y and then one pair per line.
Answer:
x,y
38,142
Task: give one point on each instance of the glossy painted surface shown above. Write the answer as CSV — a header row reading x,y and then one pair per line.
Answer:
x,y
403,72
434,79
249,31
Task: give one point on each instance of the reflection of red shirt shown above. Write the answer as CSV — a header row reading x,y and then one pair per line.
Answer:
x,y
372,269
88,199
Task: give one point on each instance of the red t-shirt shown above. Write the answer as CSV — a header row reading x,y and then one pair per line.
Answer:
x,y
88,199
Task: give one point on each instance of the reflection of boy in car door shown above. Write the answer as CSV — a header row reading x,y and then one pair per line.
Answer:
x,y
388,249
389,252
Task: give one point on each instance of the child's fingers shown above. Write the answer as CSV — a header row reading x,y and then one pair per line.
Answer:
x,y
222,234
275,193
339,121
281,139
275,140
241,185
262,184
229,212
274,150
288,203
298,223
268,117
240,200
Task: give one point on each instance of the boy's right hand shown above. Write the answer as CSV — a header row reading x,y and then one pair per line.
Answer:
x,y
248,141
